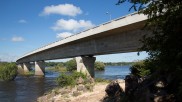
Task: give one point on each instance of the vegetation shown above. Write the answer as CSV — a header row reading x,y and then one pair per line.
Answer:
x,y
65,80
164,46
52,64
69,80
139,69
99,80
118,63
58,68
8,71
71,65
99,66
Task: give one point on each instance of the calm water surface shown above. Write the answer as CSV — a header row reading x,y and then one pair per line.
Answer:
x,y
27,89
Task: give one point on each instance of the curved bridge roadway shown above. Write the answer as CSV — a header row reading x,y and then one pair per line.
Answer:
x,y
116,36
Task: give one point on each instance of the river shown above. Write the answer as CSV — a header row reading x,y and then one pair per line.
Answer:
x,y
28,89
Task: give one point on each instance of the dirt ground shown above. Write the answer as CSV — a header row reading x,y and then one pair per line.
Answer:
x,y
96,96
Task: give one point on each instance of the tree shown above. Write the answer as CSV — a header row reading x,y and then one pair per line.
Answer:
x,y
165,45
71,65
99,65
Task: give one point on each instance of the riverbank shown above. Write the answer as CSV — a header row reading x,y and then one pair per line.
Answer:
x,y
69,95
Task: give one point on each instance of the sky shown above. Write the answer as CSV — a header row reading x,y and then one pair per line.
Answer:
x,y
26,25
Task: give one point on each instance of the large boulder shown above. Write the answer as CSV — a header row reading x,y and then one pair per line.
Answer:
x,y
131,83
113,89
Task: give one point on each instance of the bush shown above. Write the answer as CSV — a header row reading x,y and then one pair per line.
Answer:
x,y
8,71
70,79
76,75
71,65
65,80
99,66
139,69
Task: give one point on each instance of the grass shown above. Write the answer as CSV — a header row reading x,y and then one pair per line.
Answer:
x,y
54,69
101,80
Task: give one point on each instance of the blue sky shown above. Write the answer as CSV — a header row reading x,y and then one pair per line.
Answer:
x,y
26,25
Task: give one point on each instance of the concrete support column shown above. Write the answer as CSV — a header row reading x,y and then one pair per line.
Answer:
x,y
26,67
20,69
39,68
86,65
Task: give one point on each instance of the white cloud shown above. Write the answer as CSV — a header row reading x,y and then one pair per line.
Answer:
x,y
72,25
17,39
63,35
22,21
62,9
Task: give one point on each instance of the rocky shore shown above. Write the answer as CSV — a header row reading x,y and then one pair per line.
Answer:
x,y
94,92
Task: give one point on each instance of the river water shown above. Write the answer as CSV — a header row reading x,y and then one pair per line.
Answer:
x,y
28,89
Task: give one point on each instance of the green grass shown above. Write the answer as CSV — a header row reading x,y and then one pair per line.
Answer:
x,y
100,80
54,69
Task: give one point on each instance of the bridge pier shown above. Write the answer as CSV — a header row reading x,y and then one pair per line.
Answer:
x,y
39,68
26,67
20,69
85,64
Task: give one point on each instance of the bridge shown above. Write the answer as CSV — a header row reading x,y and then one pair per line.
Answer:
x,y
116,36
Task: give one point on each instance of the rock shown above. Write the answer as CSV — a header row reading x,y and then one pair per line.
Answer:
x,y
113,89
159,84
80,80
80,87
64,91
131,83
89,87
47,98
76,93
165,98
91,80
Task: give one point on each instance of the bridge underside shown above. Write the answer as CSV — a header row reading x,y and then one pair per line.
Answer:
x,y
115,41
118,40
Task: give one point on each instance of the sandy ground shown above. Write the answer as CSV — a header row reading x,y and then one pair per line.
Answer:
x,y
96,96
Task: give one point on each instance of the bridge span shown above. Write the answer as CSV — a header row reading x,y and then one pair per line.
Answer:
x,y
116,36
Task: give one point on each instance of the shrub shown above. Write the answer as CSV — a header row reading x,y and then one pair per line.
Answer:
x,y
8,71
99,66
65,80
76,75
139,69
69,79
71,65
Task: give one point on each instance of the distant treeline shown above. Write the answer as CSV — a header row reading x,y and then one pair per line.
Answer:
x,y
118,63
51,64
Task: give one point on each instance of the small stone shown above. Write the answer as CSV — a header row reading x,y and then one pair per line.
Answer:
x,y
80,87
64,91
76,93
160,84
80,80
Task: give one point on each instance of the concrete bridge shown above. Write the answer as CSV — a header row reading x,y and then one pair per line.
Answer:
x,y
116,36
